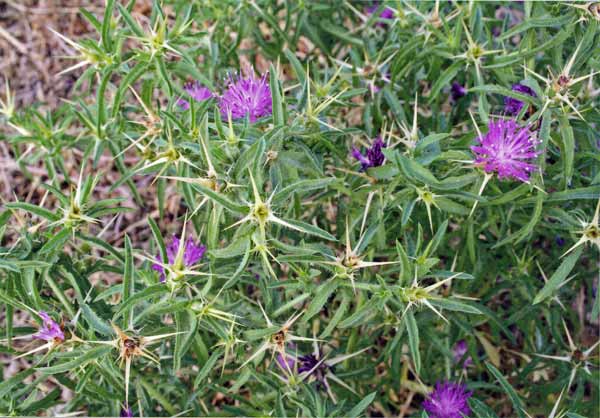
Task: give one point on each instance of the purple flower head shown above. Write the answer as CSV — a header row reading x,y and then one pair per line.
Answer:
x,y
197,92
50,330
387,13
310,363
513,106
374,157
448,400
246,97
458,352
457,91
191,255
507,150
126,412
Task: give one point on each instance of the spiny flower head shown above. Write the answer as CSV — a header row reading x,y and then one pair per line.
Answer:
x,y
507,149
458,352
191,255
513,106
374,157
50,330
248,96
197,92
448,400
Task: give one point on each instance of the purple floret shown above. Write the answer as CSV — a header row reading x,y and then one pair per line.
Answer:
x,y
288,364
459,350
249,96
126,412
448,400
50,330
507,149
387,14
457,91
197,92
191,255
513,106
374,157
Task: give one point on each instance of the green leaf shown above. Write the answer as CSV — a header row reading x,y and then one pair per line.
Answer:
x,y
362,405
187,323
106,39
57,241
302,186
145,294
454,305
207,367
136,29
278,111
128,282
413,339
221,200
36,210
308,229
74,364
510,391
9,384
290,304
559,276
95,321
568,149
444,79
321,295
413,170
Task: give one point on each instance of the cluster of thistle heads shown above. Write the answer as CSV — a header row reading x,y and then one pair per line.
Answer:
x,y
508,149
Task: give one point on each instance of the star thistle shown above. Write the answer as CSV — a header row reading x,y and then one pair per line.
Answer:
x,y
197,92
248,96
132,346
448,400
507,150
590,231
316,367
191,253
374,156
50,330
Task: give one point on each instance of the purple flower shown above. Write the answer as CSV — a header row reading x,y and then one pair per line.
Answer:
x,y
197,92
448,400
458,352
507,150
246,97
50,330
387,14
288,364
513,106
374,157
126,412
191,255
310,363
457,91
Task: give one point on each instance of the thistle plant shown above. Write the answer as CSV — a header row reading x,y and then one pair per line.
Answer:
x,y
339,208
